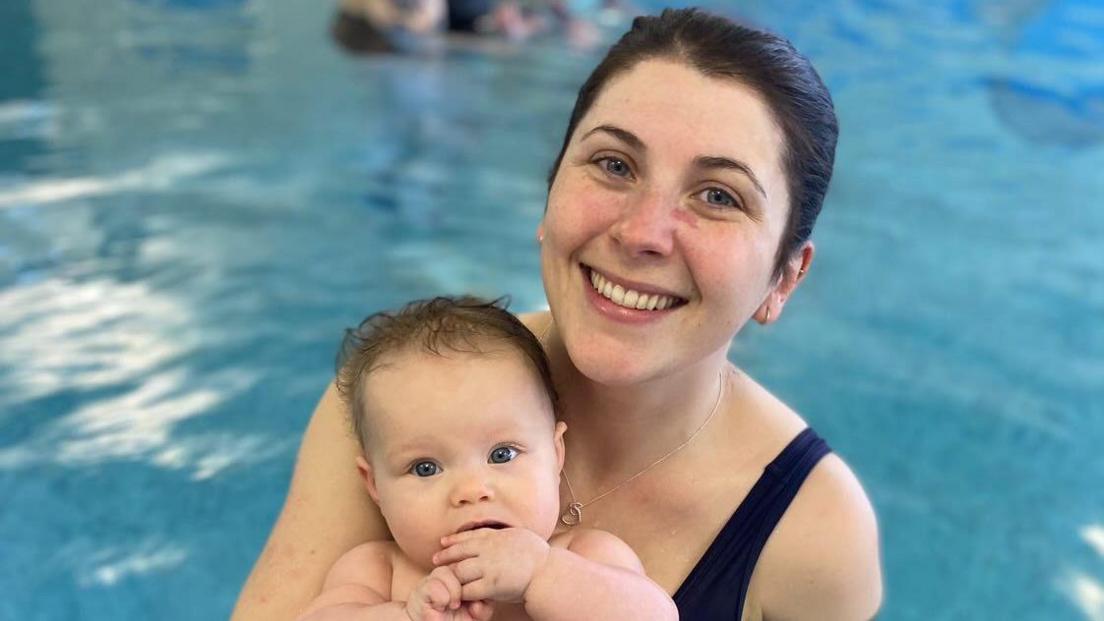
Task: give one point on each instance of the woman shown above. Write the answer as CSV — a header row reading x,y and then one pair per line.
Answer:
x,y
681,205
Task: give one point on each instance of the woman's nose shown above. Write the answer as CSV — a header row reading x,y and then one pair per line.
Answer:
x,y
470,489
646,226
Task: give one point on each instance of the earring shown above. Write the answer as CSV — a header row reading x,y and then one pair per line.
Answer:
x,y
768,315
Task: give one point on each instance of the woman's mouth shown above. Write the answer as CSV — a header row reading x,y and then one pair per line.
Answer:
x,y
631,298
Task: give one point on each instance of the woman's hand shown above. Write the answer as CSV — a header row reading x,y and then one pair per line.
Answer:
x,y
494,564
438,598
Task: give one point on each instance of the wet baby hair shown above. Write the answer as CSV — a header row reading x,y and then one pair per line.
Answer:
x,y
436,326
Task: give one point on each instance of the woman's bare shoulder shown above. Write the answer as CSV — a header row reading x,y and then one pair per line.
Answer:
x,y
326,513
827,542
536,321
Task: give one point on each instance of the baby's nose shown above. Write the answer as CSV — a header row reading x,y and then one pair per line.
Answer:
x,y
471,489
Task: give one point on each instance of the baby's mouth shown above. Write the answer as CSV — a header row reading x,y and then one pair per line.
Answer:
x,y
496,525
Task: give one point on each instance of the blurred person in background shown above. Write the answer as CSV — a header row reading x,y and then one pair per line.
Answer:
x,y
382,26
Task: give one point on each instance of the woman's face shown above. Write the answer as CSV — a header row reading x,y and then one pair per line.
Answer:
x,y
671,199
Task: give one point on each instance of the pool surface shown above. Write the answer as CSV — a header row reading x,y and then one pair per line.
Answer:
x,y
196,197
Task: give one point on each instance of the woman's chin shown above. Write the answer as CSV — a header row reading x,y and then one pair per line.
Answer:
x,y
611,365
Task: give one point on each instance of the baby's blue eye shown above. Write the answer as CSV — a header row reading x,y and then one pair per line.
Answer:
x,y
424,469
502,455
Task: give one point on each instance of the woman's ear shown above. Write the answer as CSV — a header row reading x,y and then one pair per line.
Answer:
x,y
793,272
369,477
540,232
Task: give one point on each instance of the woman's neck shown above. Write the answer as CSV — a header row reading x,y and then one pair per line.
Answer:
x,y
615,431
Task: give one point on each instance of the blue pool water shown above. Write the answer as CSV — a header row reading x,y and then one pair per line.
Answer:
x,y
196,197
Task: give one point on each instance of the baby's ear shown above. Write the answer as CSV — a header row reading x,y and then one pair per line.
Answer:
x,y
369,476
561,427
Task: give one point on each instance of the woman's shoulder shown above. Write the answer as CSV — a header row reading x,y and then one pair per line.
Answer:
x,y
827,542
536,321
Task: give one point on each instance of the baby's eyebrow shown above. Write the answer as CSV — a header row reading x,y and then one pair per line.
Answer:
x,y
417,447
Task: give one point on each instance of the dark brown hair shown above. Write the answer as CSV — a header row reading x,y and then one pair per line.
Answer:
x,y
769,64
462,324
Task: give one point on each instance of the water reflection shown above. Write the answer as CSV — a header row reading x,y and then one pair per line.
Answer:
x,y
127,343
1087,593
107,566
163,172
1093,534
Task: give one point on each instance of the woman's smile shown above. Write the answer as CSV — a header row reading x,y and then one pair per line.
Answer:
x,y
626,300
640,233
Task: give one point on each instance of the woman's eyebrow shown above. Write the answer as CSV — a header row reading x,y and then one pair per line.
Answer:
x,y
623,135
705,162
709,162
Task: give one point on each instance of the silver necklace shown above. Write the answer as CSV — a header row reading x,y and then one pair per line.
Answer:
x,y
573,515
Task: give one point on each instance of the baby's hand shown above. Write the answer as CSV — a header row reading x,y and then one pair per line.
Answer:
x,y
494,564
437,598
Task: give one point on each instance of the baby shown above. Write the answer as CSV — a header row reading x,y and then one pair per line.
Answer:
x,y
453,403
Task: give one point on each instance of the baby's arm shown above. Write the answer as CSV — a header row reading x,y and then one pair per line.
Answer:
x,y
358,583
597,576
358,588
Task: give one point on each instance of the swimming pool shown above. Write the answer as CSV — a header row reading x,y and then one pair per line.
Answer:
x,y
196,196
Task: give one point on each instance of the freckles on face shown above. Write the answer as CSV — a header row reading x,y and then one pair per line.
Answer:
x,y
684,216
671,181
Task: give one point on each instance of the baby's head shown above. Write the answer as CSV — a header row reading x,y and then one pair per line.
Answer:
x,y
453,404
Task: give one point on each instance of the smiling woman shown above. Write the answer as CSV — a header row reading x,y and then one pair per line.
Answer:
x,y
681,206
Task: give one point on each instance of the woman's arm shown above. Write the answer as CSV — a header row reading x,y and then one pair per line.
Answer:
x,y
327,512
823,560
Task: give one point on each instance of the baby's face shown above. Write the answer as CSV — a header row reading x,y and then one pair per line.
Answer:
x,y
461,442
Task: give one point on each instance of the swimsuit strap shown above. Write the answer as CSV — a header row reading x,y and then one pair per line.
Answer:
x,y
717,586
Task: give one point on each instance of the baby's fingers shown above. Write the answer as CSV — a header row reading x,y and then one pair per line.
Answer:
x,y
445,589
437,595
467,571
466,535
478,590
481,610
456,553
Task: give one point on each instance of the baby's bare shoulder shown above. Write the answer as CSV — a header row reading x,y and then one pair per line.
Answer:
x,y
370,564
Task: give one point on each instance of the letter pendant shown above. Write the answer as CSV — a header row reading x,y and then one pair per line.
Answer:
x,y
573,515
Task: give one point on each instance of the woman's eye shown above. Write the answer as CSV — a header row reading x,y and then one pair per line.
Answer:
x,y
717,196
424,469
615,167
502,455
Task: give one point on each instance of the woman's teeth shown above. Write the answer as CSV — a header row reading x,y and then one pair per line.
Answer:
x,y
629,298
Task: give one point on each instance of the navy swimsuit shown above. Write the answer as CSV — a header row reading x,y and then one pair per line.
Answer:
x,y
718,584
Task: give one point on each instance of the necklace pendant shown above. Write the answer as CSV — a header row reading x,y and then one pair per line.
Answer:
x,y
573,515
